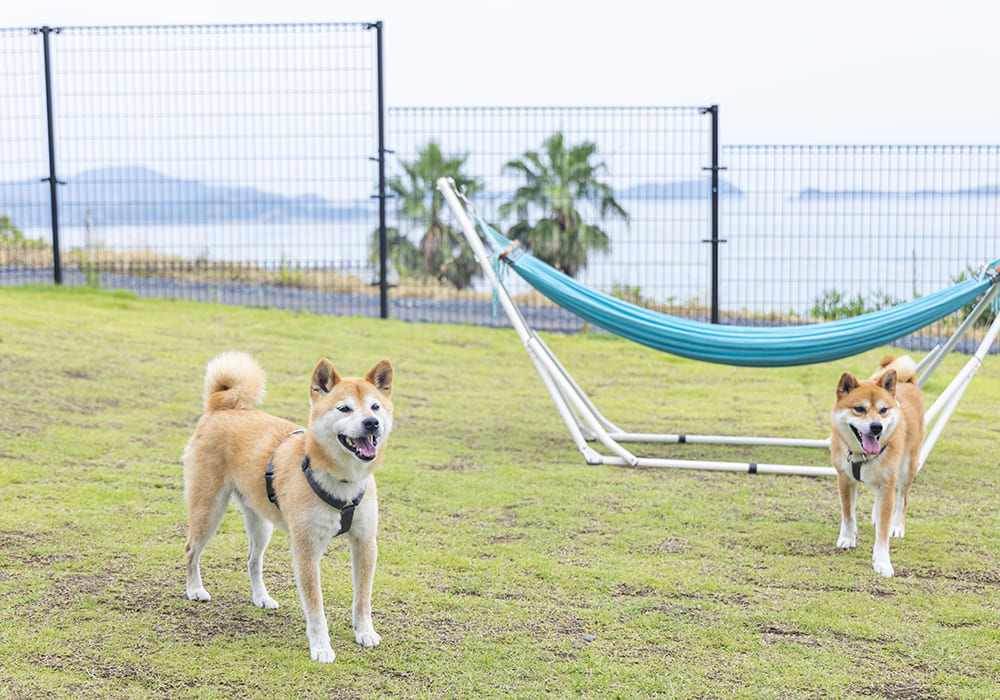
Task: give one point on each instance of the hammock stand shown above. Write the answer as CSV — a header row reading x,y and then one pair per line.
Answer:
x,y
722,344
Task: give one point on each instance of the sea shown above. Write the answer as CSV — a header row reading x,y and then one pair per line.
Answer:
x,y
775,254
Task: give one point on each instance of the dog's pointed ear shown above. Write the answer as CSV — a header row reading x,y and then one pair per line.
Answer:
x,y
381,376
848,383
888,381
323,380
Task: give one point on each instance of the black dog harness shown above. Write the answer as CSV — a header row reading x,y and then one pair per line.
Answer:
x,y
346,508
856,466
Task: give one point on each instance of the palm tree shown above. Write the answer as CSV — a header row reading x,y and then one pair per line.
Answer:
x,y
555,181
9,233
442,251
403,255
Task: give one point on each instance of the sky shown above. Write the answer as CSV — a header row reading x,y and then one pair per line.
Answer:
x,y
781,71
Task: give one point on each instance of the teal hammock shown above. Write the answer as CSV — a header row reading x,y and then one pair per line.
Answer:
x,y
782,346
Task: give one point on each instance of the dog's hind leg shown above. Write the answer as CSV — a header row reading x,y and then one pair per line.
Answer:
x,y
259,531
205,512
907,473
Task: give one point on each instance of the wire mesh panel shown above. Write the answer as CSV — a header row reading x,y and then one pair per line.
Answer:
x,y
25,212
238,164
653,159
217,162
823,231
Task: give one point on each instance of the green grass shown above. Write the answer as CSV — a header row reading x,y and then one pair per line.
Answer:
x,y
508,568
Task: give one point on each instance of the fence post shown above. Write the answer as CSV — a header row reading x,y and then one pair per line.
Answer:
x,y
51,179
714,240
383,240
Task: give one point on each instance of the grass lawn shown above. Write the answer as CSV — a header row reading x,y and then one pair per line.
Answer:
x,y
508,567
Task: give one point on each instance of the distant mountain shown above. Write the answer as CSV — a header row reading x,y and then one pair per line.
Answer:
x,y
981,191
139,195
679,189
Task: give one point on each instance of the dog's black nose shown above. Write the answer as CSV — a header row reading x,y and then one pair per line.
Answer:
x,y
876,428
371,425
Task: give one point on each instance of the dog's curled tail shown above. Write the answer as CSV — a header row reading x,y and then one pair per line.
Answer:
x,y
233,380
905,367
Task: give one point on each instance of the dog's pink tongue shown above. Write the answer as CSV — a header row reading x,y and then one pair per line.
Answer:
x,y
870,444
365,446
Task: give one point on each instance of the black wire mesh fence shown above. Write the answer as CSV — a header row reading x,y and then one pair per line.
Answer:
x,y
24,196
814,229
809,233
229,163
652,158
242,164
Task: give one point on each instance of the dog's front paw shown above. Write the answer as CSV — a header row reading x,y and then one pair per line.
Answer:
x,y
848,538
367,638
323,656
266,602
847,541
897,529
883,566
198,594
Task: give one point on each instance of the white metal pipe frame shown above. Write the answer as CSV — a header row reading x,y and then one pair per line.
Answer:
x,y
586,424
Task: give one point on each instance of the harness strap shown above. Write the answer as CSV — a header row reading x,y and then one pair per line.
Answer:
x,y
856,469
269,474
346,508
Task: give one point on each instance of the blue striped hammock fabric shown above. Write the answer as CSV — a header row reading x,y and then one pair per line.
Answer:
x,y
782,346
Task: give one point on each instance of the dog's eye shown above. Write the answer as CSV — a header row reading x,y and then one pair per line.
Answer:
x,y
882,411
375,407
860,410
344,409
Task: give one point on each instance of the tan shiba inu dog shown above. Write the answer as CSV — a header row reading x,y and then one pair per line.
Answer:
x,y
316,483
878,427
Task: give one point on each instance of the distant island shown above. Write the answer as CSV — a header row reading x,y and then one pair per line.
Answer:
x,y
982,191
140,195
679,189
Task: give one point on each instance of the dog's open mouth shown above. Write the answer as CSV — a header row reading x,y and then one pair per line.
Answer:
x,y
869,443
364,448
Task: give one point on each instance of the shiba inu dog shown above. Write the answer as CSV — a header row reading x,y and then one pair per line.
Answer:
x,y
316,483
878,427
